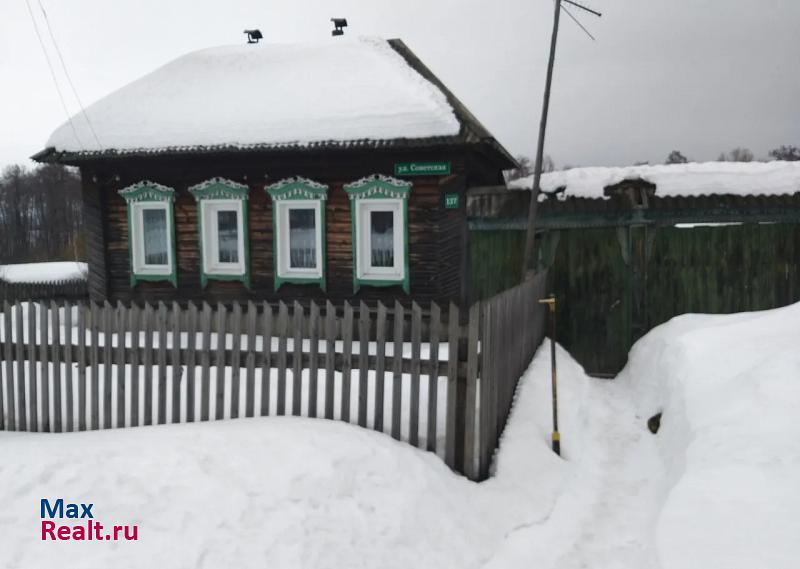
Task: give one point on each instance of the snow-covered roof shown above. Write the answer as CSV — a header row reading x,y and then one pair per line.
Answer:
x,y
41,273
266,95
673,180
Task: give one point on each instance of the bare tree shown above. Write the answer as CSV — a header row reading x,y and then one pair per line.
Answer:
x,y
526,168
676,157
738,154
785,152
40,214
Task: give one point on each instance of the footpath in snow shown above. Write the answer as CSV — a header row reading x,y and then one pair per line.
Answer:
x,y
716,487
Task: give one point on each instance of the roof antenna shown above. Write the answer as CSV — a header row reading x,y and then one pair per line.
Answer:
x,y
338,23
253,36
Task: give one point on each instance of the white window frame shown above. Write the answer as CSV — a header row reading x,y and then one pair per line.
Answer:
x,y
284,257
211,264
366,271
140,267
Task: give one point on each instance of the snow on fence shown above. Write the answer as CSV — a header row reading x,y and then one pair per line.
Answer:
x,y
440,380
57,290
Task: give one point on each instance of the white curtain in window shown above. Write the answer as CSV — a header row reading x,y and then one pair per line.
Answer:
x,y
302,239
382,238
154,224
228,231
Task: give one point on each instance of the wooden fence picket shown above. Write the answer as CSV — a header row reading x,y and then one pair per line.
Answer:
x,y
250,361
236,363
433,376
69,394
313,371
330,357
222,340
44,360
283,321
380,367
11,423
297,359
33,380
266,352
135,325
363,361
177,368
452,386
416,332
191,362
123,322
55,341
205,362
83,322
397,371
161,362
347,362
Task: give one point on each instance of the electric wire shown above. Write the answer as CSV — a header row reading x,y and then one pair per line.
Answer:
x,y
53,75
69,78
574,19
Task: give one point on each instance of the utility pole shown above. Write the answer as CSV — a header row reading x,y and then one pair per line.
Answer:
x,y
530,236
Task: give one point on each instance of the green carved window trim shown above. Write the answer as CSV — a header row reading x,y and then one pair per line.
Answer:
x,y
379,187
150,192
223,190
298,189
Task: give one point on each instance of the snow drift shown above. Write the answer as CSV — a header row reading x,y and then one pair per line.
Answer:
x,y
729,389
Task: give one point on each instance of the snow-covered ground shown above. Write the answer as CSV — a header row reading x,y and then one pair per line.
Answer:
x,y
716,487
36,273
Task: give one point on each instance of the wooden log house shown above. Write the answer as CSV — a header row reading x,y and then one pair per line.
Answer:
x,y
336,170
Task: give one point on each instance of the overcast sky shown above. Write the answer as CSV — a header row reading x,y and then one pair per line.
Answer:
x,y
701,76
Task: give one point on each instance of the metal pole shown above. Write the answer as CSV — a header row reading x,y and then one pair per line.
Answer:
x,y
537,169
556,436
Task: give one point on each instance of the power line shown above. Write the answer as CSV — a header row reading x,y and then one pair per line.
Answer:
x,y
69,78
574,19
53,75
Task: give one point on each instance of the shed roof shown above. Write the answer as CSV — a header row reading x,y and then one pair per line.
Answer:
x,y
675,180
343,92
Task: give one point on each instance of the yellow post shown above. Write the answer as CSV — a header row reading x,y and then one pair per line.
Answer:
x,y
551,304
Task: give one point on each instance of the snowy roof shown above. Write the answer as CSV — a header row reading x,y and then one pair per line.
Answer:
x,y
40,273
687,180
338,92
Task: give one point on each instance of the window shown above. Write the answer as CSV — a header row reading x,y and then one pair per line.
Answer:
x,y
298,207
151,237
379,208
223,230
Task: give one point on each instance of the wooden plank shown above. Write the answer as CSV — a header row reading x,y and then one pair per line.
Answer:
x,y
33,395
44,341
313,371
397,371
452,385
69,394
55,327
330,356
135,324
472,384
222,334
177,368
82,323
433,376
283,320
122,317
297,360
236,358
250,361
266,351
363,360
191,361
21,401
416,340
161,358
148,365
205,362
488,397
347,340
108,338
11,423
380,367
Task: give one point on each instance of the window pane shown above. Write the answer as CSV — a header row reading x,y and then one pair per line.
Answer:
x,y
382,238
228,231
302,239
154,225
